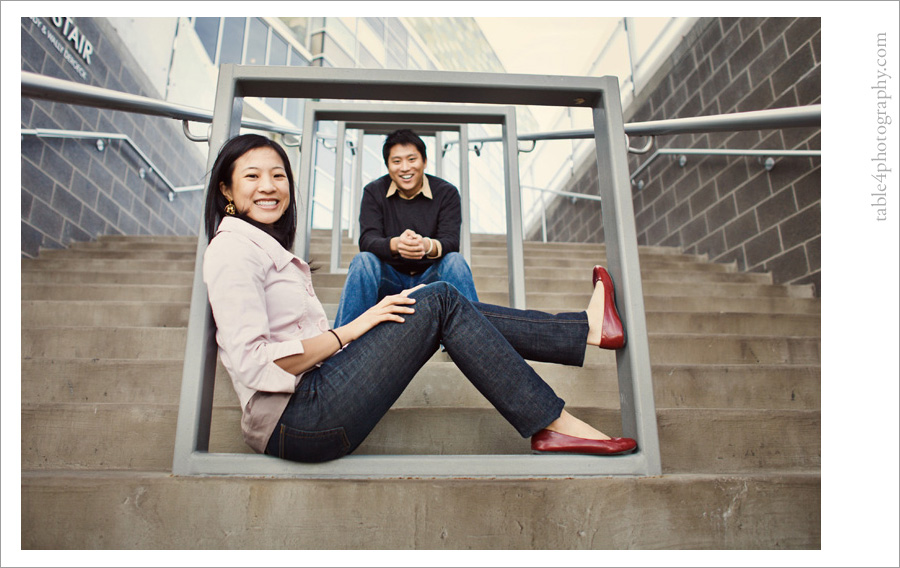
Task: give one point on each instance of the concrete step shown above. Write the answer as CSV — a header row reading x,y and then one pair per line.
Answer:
x,y
168,343
679,283
323,278
154,510
143,277
531,259
584,262
107,292
142,437
180,244
68,313
536,251
148,239
32,270
442,384
555,302
59,286
569,303
681,297
652,287
120,254
106,265
47,313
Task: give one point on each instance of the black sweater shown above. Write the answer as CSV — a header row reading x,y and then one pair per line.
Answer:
x,y
382,218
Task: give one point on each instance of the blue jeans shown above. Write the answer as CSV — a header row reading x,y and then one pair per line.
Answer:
x,y
336,405
369,279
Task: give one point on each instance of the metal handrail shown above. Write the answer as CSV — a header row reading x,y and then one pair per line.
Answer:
x,y
790,117
100,136
563,193
37,86
727,152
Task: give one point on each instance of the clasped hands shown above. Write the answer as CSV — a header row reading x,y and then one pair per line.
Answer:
x,y
412,245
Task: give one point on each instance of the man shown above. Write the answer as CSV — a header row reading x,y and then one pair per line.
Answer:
x,y
409,232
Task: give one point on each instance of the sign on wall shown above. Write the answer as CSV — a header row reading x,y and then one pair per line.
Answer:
x,y
69,41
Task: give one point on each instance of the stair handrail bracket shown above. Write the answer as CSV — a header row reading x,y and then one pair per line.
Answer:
x,y
601,94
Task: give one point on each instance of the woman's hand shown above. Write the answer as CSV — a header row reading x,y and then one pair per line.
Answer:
x,y
390,308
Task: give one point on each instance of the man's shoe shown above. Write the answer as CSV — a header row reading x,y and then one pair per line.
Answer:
x,y
548,441
612,336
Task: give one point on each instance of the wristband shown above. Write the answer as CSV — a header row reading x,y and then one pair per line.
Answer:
x,y
430,248
334,333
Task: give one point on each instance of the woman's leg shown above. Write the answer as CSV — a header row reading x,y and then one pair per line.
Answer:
x,y
338,404
539,336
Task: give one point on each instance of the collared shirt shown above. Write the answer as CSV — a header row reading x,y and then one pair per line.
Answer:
x,y
425,190
263,301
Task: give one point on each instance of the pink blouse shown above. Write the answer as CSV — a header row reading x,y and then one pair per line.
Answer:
x,y
263,302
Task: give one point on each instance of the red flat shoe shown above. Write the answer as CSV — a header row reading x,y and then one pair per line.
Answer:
x,y
612,336
548,441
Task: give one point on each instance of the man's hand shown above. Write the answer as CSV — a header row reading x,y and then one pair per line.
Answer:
x,y
411,245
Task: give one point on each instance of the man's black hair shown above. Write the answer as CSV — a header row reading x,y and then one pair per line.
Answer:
x,y
403,136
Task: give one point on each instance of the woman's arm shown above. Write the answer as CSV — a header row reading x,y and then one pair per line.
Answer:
x,y
317,349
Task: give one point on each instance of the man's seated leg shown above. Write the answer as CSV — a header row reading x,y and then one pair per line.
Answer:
x,y
454,269
361,288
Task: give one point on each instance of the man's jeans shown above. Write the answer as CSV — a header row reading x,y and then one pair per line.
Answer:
x,y
336,405
369,279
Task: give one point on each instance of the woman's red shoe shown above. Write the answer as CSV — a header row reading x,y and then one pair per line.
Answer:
x,y
612,335
549,441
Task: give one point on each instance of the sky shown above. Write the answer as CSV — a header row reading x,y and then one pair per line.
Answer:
x,y
546,46
552,46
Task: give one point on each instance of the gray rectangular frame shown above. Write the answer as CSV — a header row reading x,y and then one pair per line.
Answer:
x,y
191,455
433,119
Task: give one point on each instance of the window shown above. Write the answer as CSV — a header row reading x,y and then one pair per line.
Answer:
x,y
277,56
298,60
257,38
207,30
232,40
293,110
374,45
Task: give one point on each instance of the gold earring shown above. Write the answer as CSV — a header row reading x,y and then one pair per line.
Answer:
x,y
229,209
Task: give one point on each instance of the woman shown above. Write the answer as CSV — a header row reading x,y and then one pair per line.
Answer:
x,y
310,393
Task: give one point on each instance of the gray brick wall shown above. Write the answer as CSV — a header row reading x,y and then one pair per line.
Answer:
x,y
73,192
729,208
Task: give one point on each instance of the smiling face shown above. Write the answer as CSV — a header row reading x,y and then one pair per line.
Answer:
x,y
259,185
406,167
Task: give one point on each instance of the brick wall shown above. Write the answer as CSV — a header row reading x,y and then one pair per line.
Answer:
x,y
730,208
73,192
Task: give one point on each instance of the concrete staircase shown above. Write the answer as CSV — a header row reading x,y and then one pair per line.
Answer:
x,y
736,381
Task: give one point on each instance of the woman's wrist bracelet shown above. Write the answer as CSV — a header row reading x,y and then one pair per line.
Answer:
x,y
334,333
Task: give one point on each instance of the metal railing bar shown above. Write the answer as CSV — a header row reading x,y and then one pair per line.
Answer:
x,y
37,86
185,127
79,134
725,152
791,117
564,193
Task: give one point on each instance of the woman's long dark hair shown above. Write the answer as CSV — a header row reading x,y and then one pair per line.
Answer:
x,y
283,230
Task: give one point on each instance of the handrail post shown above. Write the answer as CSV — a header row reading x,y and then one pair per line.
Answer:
x,y
633,362
338,197
465,237
304,185
515,248
201,352
356,190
